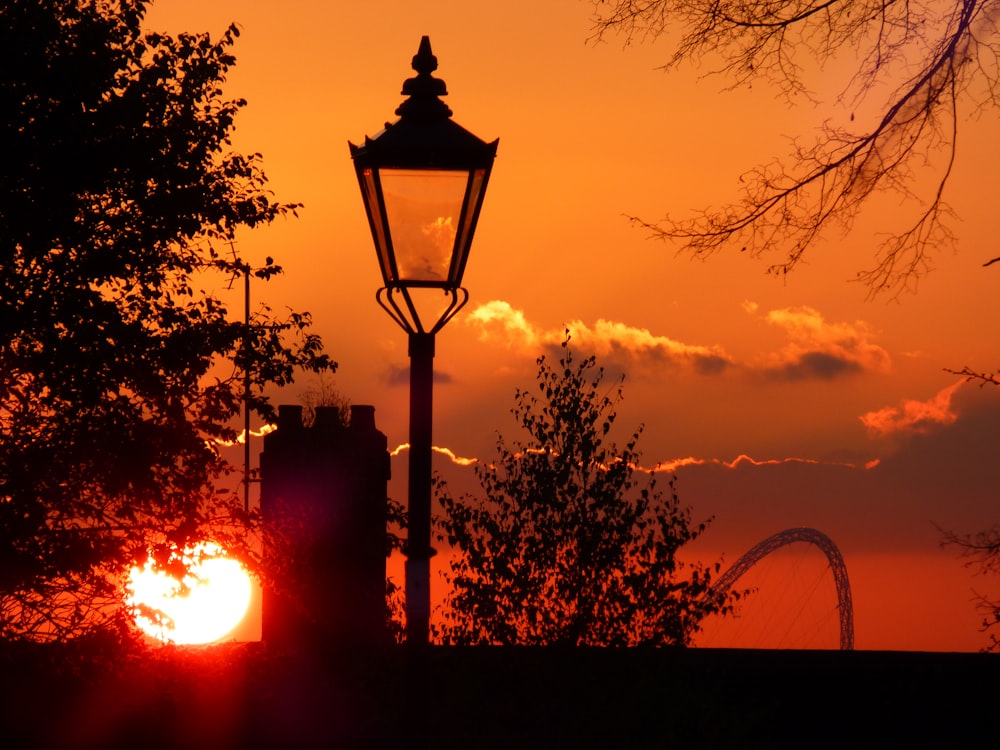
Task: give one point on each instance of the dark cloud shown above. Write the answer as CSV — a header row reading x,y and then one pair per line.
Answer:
x,y
949,478
399,375
710,364
815,365
819,349
619,347
647,362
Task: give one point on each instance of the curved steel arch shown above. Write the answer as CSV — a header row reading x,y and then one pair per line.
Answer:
x,y
817,538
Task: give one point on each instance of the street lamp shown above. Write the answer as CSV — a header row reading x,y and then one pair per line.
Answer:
x,y
423,179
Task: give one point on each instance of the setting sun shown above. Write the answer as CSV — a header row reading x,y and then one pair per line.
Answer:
x,y
216,598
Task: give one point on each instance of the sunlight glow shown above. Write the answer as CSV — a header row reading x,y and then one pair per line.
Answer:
x,y
216,598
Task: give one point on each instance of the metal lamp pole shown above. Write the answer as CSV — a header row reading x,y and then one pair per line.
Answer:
x,y
418,548
423,179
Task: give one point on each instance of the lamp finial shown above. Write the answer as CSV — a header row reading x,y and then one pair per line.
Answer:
x,y
423,90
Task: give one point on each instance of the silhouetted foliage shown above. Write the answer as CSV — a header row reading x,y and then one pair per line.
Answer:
x,y
120,198
933,62
324,393
567,546
395,595
982,550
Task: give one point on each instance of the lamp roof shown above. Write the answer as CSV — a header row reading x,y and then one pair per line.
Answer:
x,y
424,136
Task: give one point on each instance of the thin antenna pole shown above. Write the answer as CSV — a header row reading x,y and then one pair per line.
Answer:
x,y
246,388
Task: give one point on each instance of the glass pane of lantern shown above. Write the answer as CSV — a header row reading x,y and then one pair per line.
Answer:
x,y
475,188
377,220
424,209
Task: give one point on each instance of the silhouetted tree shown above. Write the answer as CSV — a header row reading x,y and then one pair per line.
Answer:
x,y
324,393
932,62
120,198
567,546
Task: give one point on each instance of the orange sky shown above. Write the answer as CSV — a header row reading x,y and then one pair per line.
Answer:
x,y
721,359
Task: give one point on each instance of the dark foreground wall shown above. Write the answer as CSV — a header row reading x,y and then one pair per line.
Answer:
x,y
241,696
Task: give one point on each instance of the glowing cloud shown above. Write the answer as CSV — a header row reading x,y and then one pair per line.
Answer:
x,y
498,320
641,347
615,342
675,464
671,466
745,460
817,348
447,452
242,437
458,460
820,349
912,416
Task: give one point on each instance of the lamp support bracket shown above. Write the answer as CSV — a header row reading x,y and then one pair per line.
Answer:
x,y
398,302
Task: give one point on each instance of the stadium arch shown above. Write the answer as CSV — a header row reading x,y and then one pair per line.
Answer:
x,y
810,536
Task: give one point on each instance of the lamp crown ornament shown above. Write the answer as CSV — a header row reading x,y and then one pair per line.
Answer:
x,y
423,90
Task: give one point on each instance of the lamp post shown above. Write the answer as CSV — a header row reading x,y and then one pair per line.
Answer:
x,y
422,179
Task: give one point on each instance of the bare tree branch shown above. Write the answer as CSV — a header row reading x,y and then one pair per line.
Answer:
x,y
944,52
981,550
984,378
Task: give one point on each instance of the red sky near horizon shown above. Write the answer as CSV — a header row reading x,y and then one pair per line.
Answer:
x,y
779,402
